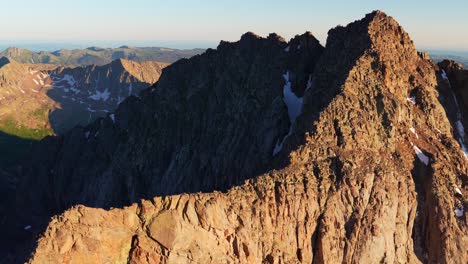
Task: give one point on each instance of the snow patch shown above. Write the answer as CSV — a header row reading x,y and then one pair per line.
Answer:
x,y
294,105
414,132
27,227
76,91
444,75
36,82
309,83
112,116
457,190
104,96
130,88
287,49
411,99
460,129
421,156
69,79
459,211
464,148
279,145
293,102
86,134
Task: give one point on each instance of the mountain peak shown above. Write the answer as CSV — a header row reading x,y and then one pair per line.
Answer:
x,y
377,34
377,13
12,51
249,36
375,28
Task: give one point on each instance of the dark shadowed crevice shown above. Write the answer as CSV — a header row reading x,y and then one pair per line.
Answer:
x,y
422,178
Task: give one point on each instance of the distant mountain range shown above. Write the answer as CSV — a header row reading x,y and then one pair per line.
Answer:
x,y
98,56
460,58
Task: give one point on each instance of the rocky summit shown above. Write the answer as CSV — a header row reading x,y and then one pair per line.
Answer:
x,y
262,151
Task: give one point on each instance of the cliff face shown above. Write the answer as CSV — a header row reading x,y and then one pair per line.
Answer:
x,y
98,56
37,100
456,80
209,123
367,165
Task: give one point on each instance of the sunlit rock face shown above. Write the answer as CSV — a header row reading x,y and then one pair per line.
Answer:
x,y
215,164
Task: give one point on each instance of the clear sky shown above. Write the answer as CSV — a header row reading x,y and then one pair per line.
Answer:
x,y
431,24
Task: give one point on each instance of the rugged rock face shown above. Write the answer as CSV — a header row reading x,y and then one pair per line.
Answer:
x,y
37,100
368,170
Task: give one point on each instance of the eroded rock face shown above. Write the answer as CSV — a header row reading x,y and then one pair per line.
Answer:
x,y
370,171
209,123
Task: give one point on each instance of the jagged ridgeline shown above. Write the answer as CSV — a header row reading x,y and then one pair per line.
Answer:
x,y
263,151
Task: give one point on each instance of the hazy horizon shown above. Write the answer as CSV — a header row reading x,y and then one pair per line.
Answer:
x,y
192,24
54,46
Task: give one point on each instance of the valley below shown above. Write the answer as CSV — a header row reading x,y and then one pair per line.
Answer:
x,y
39,100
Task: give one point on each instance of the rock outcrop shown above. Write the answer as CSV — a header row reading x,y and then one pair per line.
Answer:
x,y
367,170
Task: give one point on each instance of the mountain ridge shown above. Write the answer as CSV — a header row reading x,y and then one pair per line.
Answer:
x,y
98,56
37,100
217,165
